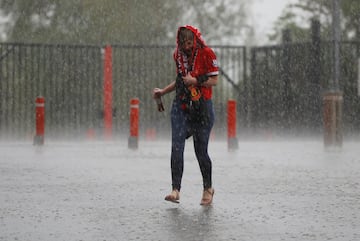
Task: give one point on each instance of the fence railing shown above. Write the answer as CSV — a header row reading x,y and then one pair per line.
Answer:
x,y
289,80
278,88
70,78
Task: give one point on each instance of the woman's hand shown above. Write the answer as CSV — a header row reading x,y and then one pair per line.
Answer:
x,y
189,80
157,93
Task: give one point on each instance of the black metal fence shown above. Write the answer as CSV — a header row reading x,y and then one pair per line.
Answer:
x,y
138,69
278,88
285,94
288,82
70,77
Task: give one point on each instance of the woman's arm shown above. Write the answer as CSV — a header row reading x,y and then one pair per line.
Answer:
x,y
211,81
167,89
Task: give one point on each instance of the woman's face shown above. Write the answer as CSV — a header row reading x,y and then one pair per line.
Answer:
x,y
186,46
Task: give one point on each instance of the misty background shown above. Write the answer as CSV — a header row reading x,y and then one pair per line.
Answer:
x,y
268,190
56,48
226,22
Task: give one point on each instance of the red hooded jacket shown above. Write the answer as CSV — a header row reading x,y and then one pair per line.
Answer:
x,y
202,62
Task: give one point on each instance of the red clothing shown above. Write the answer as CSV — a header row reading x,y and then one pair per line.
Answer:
x,y
202,62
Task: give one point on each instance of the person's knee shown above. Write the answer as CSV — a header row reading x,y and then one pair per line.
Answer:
x,y
202,154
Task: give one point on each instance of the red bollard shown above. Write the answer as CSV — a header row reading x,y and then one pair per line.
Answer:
x,y
40,120
108,88
332,119
90,134
134,124
231,121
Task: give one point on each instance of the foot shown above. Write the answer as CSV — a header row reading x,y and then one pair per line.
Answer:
x,y
174,196
207,196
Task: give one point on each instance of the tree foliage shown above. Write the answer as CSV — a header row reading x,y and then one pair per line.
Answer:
x,y
221,22
120,21
86,21
295,15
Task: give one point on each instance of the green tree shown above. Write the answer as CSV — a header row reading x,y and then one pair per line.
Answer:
x,y
221,22
304,10
351,11
120,21
87,21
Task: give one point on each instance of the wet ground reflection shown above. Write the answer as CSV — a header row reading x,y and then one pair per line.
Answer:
x,y
191,224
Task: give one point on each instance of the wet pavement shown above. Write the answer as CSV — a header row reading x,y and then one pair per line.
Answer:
x,y
266,190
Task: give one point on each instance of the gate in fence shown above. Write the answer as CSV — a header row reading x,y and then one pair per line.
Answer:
x,y
288,82
72,80
278,88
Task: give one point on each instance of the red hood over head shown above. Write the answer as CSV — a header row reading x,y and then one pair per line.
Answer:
x,y
197,35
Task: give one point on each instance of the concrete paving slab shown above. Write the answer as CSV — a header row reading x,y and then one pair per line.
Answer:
x,y
266,190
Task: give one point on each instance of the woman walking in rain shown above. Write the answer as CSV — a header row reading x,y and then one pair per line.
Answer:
x,y
192,111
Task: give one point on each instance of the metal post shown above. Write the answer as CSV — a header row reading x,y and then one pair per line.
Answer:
x,y
133,141
231,120
108,89
285,76
333,99
40,121
336,41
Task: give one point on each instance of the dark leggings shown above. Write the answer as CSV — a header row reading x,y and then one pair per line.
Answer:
x,y
181,127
